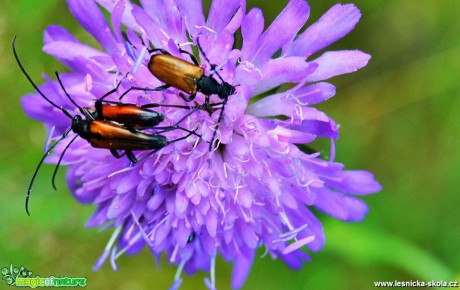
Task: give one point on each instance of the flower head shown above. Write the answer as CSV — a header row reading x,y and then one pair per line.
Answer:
x,y
255,187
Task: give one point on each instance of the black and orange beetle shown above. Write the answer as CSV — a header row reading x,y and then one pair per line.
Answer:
x,y
106,134
130,115
188,78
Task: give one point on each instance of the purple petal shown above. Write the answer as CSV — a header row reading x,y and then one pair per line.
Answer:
x,y
98,218
242,267
35,109
301,216
125,16
182,234
174,21
77,56
92,19
143,188
356,182
126,183
244,198
326,129
151,28
217,50
58,33
315,93
246,232
116,16
341,206
220,13
284,70
333,63
105,194
209,244
154,8
120,205
288,200
192,12
251,28
235,23
293,136
335,24
211,223
278,104
181,204
283,30
295,259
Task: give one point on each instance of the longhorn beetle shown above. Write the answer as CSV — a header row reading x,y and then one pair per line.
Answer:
x,y
101,133
130,115
189,78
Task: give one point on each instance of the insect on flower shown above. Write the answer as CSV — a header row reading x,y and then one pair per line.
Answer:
x,y
101,130
189,78
131,115
260,189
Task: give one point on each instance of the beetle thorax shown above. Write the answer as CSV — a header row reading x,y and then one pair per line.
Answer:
x,y
208,86
225,90
80,127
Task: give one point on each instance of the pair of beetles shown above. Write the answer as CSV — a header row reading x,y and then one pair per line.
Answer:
x,y
118,126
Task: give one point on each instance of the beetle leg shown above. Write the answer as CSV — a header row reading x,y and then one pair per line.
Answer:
x,y
115,153
131,129
195,61
168,143
181,138
157,89
160,88
160,50
131,156
111,91
217,125
156,105
176,125
187,99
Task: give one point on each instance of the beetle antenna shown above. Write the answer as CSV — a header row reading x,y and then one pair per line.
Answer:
x,y
67,94
59,162
224,102
33,84
213,66
39,165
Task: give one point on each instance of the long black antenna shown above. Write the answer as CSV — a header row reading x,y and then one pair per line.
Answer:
x,y
207,59
39,165
67,94
33,84
224,102
59,162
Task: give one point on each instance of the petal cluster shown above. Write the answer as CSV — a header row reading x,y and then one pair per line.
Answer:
x,y
256,188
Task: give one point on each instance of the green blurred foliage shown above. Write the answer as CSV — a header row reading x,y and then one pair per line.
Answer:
x,y
398,119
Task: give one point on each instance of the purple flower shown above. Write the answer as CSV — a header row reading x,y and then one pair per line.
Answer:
x,y
256,188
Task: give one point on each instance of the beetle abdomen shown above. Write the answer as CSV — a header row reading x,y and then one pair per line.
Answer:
x,y
175,72
132,115
111,136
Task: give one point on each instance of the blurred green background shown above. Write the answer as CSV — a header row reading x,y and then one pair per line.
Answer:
x,y
398,119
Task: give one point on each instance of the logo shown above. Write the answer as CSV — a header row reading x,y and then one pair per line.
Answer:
x,y
21,277
12,273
